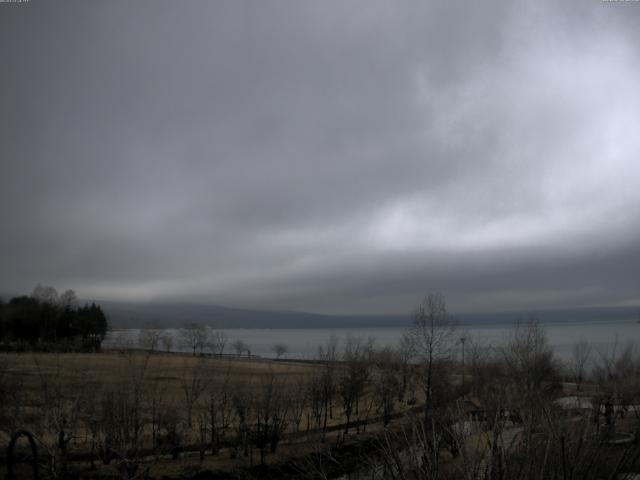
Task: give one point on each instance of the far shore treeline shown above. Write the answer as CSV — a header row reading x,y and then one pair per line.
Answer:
x,y
47,321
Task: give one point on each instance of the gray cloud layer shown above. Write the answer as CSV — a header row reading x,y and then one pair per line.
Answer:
x,y
325,156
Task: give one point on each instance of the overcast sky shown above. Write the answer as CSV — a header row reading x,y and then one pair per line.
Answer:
x,y
327,156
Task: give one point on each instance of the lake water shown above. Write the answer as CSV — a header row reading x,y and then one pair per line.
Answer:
x,y
303,343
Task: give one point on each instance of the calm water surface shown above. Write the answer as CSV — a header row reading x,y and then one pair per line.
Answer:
x,y
303,343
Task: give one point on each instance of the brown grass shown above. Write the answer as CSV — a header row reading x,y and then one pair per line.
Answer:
x,y
83,370
92,372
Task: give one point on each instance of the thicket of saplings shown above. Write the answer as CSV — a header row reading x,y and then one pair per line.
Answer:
x,y
431,414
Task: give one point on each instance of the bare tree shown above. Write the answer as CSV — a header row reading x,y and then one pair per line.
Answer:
x,y
240,347
316,400
158,405
354,378
478,361
559,450
243,409
432,337
149,338
122,342
270,410
279,349
328,356
403,355
220,410
386,382
529,358
617,374
10,398
45,294
218,342
580,355
167,342
122,419
58,410
531,376
68,299
193,384
194,336
298,400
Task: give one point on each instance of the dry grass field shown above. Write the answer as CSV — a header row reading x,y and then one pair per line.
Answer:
x,y
57,392
72,371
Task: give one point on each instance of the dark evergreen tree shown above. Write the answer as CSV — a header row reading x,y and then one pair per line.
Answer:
x,y
41,321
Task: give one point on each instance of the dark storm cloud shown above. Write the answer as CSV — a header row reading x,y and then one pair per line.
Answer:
x,y
327,156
